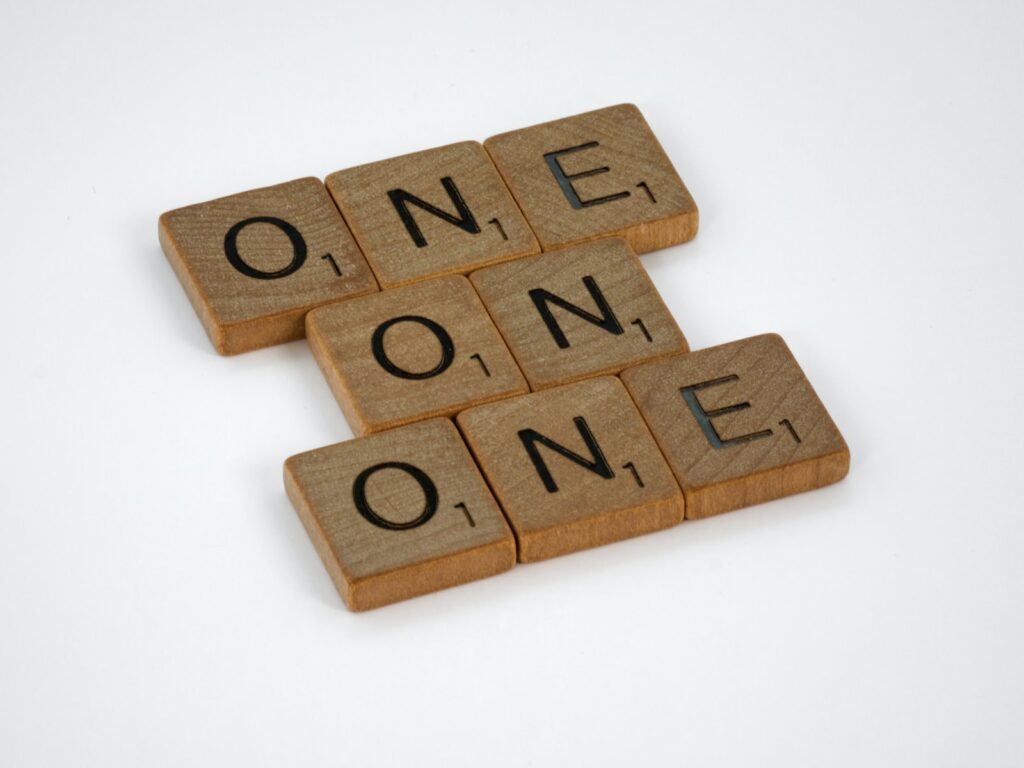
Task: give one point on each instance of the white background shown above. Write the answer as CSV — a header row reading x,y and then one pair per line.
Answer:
x,y
859,173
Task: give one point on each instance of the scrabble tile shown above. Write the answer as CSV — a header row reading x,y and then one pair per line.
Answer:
x,y
573,467
593,175
399,514
406,354
739,424
438,212
254,263
580,312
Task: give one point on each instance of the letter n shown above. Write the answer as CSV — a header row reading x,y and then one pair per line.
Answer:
x,y
463,218
597,464
606,320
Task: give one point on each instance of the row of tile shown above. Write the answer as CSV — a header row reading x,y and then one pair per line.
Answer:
x,y
440,346
253,264
434,504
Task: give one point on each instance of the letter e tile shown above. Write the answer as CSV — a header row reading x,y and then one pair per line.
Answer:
x,y
739,424
594,175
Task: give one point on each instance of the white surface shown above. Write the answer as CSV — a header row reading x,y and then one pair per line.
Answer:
x,y
859,173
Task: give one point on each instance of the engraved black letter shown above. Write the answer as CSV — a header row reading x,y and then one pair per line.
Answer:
x,y
607,320
598,466
421,477
298,246
401,200
447,347
565,179
704,417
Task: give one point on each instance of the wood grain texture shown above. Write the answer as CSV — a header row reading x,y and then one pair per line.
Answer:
x,y
463,535
555,503
489,229
405,354
739,424
594,175
241,311
624,323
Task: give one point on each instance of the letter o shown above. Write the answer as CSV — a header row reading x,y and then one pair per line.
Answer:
x,y
447,347
298,247
421,477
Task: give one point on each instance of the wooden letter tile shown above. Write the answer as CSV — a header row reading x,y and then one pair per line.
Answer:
x,y
438,212
254,263
580,312
406,354
399,514
739,424
573,467
593,175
